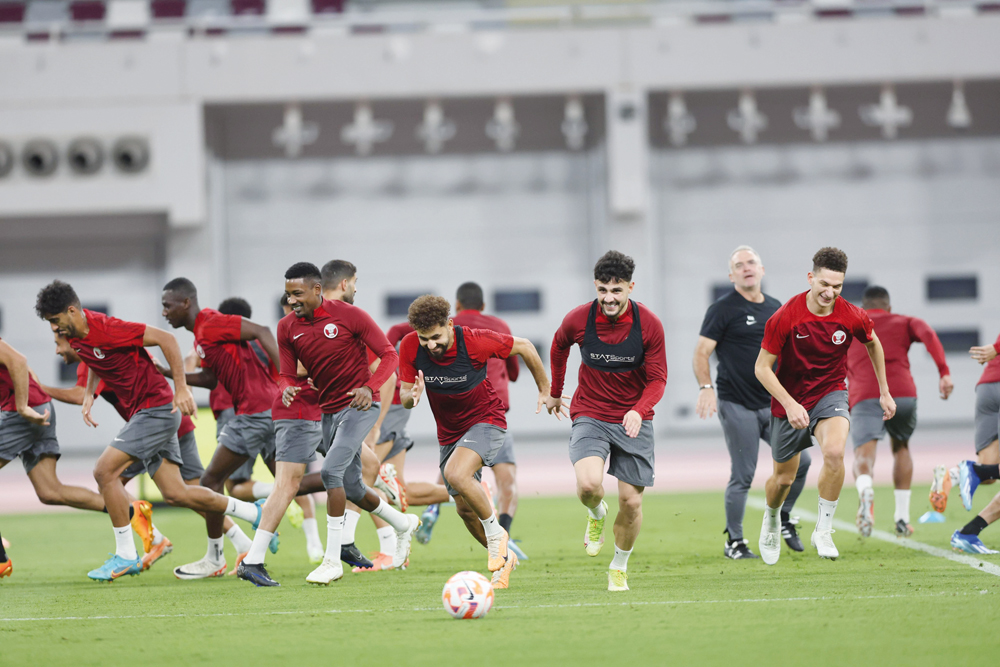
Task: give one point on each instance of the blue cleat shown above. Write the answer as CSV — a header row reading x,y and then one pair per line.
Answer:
x,y
115,567
273,545
970,544
516,548
350,554
260,512
968,482
255,574
427,521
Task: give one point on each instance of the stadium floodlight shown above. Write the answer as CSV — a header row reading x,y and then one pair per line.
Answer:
x,y
887,114
818,118
959,116
503,127
436,129
745,119
679,122
294,134
574,125
40,157
130,154
85,156
365,131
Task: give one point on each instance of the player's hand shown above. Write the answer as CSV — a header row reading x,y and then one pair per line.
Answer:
x,y
88,403
362,398
888,407
288,395
798,416
32,416
632,423
164,370
706,405
554,406
184,401
312,385
945,387
983,353
418,388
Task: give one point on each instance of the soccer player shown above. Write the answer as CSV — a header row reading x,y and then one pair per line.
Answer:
x,y
115,352
469,305
623,375
733,328
329,338
809,337
450,361
983,470
895,333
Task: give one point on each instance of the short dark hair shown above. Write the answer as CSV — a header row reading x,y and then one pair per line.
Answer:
x,y
182,287
875,295
305,271
428,311
55,298
470,295
614,267
832,259
235,305
336,270
283,300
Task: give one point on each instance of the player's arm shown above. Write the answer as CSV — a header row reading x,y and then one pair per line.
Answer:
x,y
562,341
385,393
706,405
877,357
89,392
376,341
17,367
411,386
192,362
183,398
985,353
926,335
73,395
763,368
258,332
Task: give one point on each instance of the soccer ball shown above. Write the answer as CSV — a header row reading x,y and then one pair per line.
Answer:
x,y
467,595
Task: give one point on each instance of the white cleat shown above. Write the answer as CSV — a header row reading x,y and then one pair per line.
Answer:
x,y
866,513
327,571
770,543
823,541
386,482
201,569
403,540
617,580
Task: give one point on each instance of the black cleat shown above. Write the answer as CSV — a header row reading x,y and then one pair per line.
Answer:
x,y
738,549
255,574
352,556
791,534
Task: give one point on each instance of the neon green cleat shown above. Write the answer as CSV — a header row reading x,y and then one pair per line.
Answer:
x,y
593,538
294,514
617,580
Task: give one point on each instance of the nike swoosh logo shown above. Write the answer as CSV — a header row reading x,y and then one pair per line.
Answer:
x,y
115,575
798,336
839,410
472,441
119,440
297,337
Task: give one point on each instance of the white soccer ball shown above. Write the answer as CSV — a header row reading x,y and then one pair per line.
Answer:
x,y
468,595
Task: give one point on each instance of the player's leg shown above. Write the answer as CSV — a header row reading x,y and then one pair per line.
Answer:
x,y
286,484
867,428
107,471
589,448
786,445
626,530
967,537
51,491
742,435
505,472
632,463
831,434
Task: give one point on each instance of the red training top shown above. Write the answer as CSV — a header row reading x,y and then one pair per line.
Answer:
x,y
812,350
114,349
896,333
606,396
187,424
457,413
501,372
219,400
8,403
304,406
331,345
217,342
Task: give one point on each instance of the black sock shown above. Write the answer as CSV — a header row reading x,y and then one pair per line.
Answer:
x,y
987,471
131,511
505,521
785,517
974,527
3,552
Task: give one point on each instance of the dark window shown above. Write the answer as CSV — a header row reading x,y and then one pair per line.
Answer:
x,y
958,340
517,301
67,373
962,287
399,304
97,307
854,290
720,290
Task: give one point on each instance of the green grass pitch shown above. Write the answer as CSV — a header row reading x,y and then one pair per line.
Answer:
x,y
878,604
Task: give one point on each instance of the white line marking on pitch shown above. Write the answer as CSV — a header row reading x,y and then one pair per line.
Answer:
x,y
975,563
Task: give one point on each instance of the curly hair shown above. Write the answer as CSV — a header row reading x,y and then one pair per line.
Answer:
x,y
235,305
614,267
55,298
428,311
832,259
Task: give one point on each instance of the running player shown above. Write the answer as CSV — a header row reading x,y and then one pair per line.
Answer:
x,y
450,361
809,337
115,352
623,375
896,334
982,471
733,328
329,338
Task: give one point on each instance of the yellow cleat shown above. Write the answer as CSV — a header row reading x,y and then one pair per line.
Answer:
x,y
142,523
156,553
501,578
593,538
617,580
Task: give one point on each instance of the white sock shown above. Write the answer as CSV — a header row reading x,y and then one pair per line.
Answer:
x,y
311,528
239,539
261,490
391,516
773,515
215,551
386,540
124,544
491,526
334,528
863,482
620,561
826,511
351,519
598,512
902,505
157,535
242,510
255,556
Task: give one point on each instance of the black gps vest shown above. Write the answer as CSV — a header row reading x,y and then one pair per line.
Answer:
x,y
626,356
457,377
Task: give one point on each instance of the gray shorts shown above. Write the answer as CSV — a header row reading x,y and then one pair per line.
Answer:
x,y
506,453
249,436
987,414
786,441
19,437
632,459
191,468
343,437
150,436
296,440
224,418
484,439
394,428
867,424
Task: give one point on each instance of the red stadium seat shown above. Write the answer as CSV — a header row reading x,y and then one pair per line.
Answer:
x,y
168,9
87,10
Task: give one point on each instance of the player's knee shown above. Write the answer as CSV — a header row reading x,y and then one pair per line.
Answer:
x,y
630,505
212,481
173,496
103,476
588,488
330,479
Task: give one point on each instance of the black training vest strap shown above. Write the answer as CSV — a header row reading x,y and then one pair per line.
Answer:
x,y
627,355
457,377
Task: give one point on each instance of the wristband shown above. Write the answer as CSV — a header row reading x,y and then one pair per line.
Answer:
x,y
706,386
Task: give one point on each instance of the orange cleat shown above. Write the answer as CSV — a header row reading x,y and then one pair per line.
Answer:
x,y
380,561
142,523
496,547
7,567
404,504
239,559
940,488
156,553
501,578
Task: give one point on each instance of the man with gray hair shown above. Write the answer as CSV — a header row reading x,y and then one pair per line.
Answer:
x,y
733,328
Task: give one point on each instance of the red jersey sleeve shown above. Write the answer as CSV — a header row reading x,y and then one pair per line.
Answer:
x,y
863,327
111,333
376,341
407,356
81,375
483,344
564,339
776,331
220,328
289,372
996,345
921,331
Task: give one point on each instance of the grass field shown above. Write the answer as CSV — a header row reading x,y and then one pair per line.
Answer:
x,y
879,603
